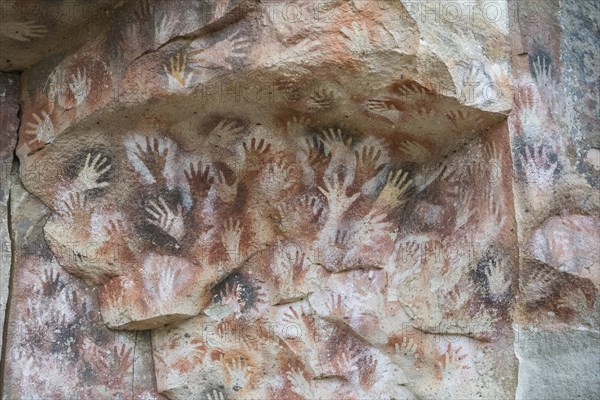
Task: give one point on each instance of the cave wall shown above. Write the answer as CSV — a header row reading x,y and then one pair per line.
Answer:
x,y
234,199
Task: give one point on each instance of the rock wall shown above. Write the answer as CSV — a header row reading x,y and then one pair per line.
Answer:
x,y
234,199
9,124
555,140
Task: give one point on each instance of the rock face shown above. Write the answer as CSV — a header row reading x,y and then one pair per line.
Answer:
x,y
9,124
234,199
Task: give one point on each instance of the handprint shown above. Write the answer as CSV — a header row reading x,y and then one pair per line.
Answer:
x,y
321,100
408,347
338,201
279,177
225,131
231,296
292,316
163,27
384,107
371,228
297,318
539,284
466,121
471,171
280,170
61,321
80,86
529,113
144,11
336,142
543,77
495,209
225,192
215,394
129,38
74,300
380,105
357,38
291,260
220,8
341,238
338,145
284,211
317,154
115,229
254,149
253,152
153,157
199,179
335,306
51,283
168,221
367,377
415,151
300,385
452,359
526,99
22,31
230,236
304,51
297,127
239,373
92,172
54,85
77,208
123,358
298,215
392,194
494,165
175,72
472,84
491,152
539,170
455,116
24,360
412,88
234,47
460,296
199,349
497,282
42,130
426,112
464,209
408,254
347,363
117,234
167,283
311,203
433,259
369,161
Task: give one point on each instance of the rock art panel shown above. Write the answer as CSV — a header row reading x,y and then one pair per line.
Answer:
x,y
555,191
293,225
554,137
235,199
58,345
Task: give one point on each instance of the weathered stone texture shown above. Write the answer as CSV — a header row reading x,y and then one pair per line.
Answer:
x,y
555,137
58,345
9,124
331,199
